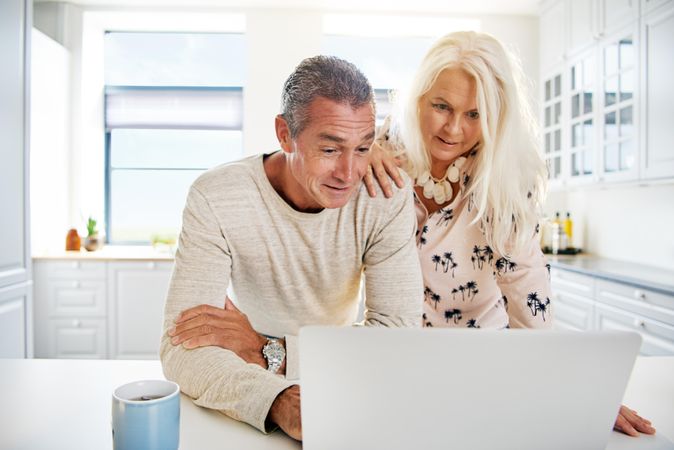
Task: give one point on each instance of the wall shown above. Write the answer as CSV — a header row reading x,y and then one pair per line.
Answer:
x,y
49,142
629,223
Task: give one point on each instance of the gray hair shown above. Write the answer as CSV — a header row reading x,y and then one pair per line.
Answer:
x,y
322,76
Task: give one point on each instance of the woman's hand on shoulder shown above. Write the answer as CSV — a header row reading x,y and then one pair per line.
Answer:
x,y
383,168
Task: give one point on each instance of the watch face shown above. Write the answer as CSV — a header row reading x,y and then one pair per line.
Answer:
x,y
274,353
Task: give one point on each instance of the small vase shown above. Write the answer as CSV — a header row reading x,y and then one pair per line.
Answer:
x,y
73,241
92,242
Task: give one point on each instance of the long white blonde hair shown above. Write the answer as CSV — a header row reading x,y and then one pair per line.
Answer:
x,y
508,179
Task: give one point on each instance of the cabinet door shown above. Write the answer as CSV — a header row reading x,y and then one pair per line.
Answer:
x,y
137,292
617,13
13,167
552,35
658,338
552,126
574,303
14,321
658,106
619,117
582,20
76,338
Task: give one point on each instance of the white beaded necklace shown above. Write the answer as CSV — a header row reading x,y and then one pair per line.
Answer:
x,y
440,190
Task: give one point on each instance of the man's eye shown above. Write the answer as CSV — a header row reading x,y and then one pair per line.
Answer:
x,y
329,151
363,150
474,115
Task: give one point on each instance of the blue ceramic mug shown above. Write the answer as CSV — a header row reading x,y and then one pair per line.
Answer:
x,y
146,415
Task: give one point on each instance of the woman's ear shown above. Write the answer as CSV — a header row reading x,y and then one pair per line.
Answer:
x,y
283,134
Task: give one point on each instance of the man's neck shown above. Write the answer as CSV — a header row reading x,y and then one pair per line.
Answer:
x,y
278,173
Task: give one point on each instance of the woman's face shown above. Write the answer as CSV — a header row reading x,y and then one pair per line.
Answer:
x,y
449,119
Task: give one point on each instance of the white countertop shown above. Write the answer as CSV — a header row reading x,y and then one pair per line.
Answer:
x,y
65,404
112,253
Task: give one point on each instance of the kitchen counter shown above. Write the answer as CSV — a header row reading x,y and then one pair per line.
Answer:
x,y
65,404
638,275
112,253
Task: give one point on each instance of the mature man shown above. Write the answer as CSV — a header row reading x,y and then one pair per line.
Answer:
x,y
293,231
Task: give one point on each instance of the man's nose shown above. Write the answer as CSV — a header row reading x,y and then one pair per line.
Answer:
x,y
344,167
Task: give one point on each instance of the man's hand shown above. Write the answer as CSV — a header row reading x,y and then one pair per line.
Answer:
x,y
285,412
631,423
206,325
384,168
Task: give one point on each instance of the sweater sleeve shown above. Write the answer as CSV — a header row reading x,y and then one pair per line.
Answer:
x,y
524,280
393,280
214,377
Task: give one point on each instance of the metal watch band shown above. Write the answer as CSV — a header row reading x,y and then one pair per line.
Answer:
x,y
274,354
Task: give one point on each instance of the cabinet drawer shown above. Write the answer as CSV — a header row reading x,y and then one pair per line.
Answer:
x,y
75,270
658,337
573,311
77,338
77,298
641,301
567,281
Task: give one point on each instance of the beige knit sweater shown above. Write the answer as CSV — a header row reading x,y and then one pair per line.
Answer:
x,y
287,269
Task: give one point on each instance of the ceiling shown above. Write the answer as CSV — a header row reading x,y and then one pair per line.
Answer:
x,y
518,7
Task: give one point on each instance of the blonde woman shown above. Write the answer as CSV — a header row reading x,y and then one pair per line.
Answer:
x,y
466,136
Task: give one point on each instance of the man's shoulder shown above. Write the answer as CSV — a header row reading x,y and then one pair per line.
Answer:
x,y
380,202
229,177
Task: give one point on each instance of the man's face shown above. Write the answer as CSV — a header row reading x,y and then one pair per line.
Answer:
x,y
328,159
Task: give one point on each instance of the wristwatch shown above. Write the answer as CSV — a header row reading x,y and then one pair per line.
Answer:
x,y
274,353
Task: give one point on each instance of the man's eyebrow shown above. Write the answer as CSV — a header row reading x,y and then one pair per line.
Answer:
x,y
331,137
339,140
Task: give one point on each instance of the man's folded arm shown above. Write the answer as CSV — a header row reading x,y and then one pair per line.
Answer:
x,y
214,377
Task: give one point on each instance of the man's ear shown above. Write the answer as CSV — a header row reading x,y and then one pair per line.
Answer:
x,y
283,134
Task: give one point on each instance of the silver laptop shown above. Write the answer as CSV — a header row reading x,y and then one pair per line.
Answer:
x,y
386,388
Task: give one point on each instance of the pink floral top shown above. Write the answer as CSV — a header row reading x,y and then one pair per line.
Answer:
x,y
467,284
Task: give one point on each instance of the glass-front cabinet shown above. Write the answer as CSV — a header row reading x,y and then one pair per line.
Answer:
x,y
619,140
552,125
582,142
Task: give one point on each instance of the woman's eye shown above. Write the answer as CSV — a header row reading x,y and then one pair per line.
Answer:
x,y
440,106
474,115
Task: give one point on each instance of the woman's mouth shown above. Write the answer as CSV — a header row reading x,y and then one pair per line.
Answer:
x,y
447,142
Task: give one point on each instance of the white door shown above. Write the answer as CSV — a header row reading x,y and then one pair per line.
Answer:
x,y
136,296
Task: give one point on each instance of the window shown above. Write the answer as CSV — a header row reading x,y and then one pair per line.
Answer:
x,y
173,109
387,49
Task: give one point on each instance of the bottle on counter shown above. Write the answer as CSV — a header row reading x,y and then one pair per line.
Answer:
x,y
73,240
559,240
568,230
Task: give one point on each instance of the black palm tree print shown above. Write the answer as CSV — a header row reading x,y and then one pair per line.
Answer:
x,y
454,314
481,255
427,293
448,262
472,323
436,259
536,305
422,238
469,289
445,216
436,298
425,320
504,265
547,266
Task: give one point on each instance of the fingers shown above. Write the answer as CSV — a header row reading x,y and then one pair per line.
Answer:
x,y
636,421
391,166
218,319
621,424
369,183
196,311
230,306
381,174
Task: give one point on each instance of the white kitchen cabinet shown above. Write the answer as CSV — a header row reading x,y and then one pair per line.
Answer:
x,y
649,5
99,309
616,14
574,300
15,269
553,110
136,293
15,321
582,20
658,101
70,309
552,34
586,302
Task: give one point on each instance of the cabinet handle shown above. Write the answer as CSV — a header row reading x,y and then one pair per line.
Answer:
x,y
77,323
639,295
640,323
